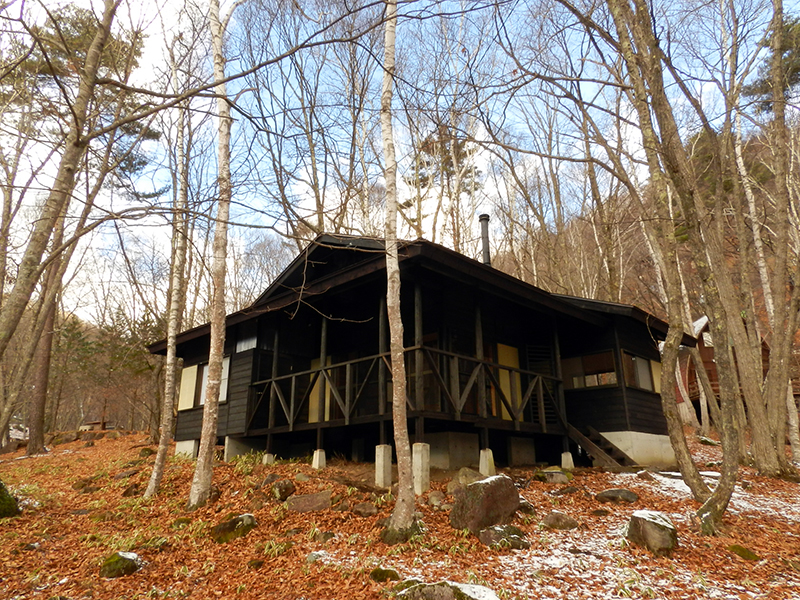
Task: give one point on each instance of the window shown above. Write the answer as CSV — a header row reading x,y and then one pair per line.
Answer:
x,y
246,341
202,382
637,372
592,370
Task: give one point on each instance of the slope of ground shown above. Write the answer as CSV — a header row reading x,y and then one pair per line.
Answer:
x,y
54,549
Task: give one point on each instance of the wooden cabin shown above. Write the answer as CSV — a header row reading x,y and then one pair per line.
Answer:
x,y
492,362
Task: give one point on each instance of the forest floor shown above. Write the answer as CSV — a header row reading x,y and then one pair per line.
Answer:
x,y
55,547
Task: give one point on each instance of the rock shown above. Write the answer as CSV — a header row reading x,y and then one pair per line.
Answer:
x,y
131,491
89,436
565,491
601,512
652,530
65,438
269,479
435,498
383,575
282,489
342,506
8,504
405,584
315,556
463,478
235,528
484,503
504,536
80,511
89,444
555,476
617,495
89,489
256,563
181,522
310,502
120,564
31,547
126,474
525,507
301,477
82,483
645,476
322,537
705,441
113,435
560,521
447,590
365,509
743,552
146,452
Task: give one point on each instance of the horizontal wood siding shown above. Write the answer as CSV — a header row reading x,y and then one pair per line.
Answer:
x,y
602,408
189,424
645,410
240,378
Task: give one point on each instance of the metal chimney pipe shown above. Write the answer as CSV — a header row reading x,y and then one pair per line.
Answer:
x,y
487,258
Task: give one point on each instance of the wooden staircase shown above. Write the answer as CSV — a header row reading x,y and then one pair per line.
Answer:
x,y
597,446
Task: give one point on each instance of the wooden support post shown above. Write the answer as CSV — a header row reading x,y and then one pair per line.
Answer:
x,y
419,390
272,394
348,392
620,367
482,408
455,393
323,360
419,430
319,438
559,385
382,347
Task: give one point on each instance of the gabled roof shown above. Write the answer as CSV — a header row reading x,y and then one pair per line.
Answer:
x,y
626,310
333,260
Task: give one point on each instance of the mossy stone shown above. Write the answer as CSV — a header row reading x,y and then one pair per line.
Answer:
x,y
120,564
745,553
235,528
8,504
383,575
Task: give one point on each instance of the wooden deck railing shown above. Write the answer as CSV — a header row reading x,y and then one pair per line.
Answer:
x,y
453,386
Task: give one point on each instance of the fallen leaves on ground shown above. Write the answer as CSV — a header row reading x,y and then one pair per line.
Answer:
x,y
55,548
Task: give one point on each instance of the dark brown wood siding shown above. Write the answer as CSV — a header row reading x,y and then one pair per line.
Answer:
x,y
602,408
239,380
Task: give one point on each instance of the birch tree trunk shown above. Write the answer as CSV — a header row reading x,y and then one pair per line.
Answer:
x,y
400,526
176,300
201,482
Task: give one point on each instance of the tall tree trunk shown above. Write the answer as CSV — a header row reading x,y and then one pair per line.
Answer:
x,y
201,482
176,301
37,400
402,519
29,271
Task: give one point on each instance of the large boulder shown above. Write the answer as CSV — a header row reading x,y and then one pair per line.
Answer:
x,y
652,530
447,590
120,564
617,495
8,504
559,520
235,528
310,502
491,501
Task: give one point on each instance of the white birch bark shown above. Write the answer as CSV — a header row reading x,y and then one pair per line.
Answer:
x,y
176,300
403,513
201,481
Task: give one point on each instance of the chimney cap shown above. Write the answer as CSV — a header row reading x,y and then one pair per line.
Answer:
x,y
483,217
